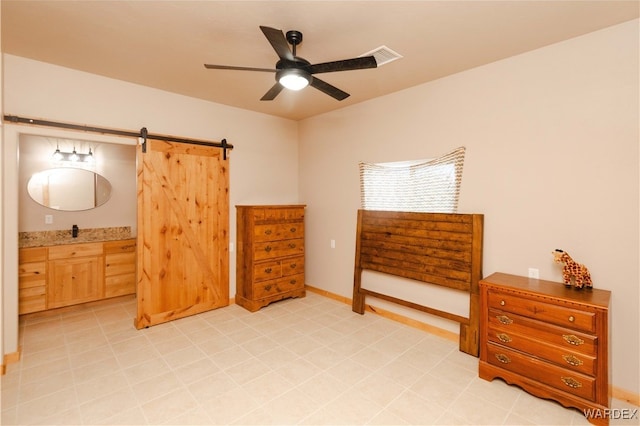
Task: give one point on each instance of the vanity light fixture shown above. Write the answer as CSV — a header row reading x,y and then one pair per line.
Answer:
x,y
72,156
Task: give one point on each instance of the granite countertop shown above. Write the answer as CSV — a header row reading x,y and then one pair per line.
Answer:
x,y
60,237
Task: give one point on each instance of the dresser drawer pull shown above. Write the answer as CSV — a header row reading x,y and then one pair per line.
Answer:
x,y
293,265
572,318
292,282
504,338
292,230
572,339
504,319
268,270
267,232
503,358
572,360
502,303
571,382
267,249
267,287
292,245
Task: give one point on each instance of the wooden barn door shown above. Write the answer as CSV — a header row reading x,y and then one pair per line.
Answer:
x,y
183,239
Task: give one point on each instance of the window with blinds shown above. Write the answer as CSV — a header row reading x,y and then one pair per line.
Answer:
x,y
413,186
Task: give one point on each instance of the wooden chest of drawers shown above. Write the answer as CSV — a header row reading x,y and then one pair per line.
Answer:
x,y
546,338
270,254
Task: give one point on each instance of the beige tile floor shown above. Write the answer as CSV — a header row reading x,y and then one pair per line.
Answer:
x,y
301,361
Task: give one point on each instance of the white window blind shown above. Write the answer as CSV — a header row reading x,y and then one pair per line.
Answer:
x,y
424,186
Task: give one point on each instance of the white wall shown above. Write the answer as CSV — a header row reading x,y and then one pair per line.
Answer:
x,y
552,162
263,163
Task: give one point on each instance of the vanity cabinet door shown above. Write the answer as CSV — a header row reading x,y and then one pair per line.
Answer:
x,y
75,280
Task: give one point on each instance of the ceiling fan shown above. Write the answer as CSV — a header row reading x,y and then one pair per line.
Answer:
x,y
295,73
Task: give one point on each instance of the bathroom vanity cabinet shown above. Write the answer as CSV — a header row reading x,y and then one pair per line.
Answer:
x,y
62,275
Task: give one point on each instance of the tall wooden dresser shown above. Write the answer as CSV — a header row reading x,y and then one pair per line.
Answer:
x,y
270,254
551,340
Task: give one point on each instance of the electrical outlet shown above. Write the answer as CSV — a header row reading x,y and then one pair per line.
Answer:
x,y
533,273
48,219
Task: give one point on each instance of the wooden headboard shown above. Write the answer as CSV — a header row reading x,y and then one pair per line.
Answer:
x,y
437,248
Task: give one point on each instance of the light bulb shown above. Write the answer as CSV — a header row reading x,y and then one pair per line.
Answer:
x,y
294,79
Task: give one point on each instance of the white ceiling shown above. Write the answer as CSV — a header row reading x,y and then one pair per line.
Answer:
x,y
164,44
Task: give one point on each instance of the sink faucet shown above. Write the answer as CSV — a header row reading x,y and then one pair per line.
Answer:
x,y
74,231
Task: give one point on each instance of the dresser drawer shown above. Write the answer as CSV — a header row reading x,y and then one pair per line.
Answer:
x,y
562,337
265,271
283,285
279,231
293,266
533,308
560,356
273,249
270,270
280,213
567,381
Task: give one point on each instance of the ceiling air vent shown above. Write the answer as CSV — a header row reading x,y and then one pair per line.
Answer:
x,y
383,55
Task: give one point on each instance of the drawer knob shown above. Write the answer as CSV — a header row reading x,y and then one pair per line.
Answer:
x,y
268,270
267,232
503,358
502,303
572,318
292,282
572,360
504,338
292,245
293,266
267,249
267,287
572,339
504,319
292,229
571,382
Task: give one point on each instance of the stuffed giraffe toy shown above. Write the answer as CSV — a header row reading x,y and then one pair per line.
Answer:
x,y
572,270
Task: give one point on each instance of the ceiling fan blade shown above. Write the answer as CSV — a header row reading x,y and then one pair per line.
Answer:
x,y
278,42
273,92
229,67
330,90
344,65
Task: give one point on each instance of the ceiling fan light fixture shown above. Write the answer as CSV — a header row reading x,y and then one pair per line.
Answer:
x,y
294,79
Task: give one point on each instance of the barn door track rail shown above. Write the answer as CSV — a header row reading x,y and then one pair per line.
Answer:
x,y
143,133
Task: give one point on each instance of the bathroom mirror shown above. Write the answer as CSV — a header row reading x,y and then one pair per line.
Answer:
x,y
69,189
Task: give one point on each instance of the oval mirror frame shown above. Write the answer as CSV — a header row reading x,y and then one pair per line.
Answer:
x,y
69,189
